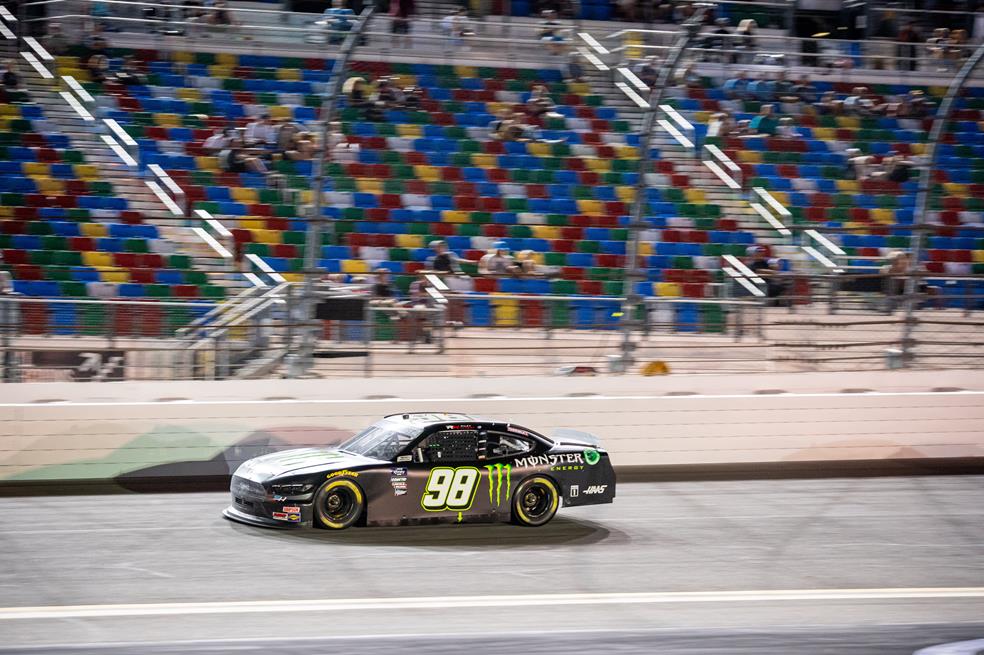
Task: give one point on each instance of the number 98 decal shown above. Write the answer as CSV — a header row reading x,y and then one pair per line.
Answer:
x,y
450,489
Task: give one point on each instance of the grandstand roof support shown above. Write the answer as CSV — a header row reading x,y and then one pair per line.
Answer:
x,y
633,273
918,237
301,359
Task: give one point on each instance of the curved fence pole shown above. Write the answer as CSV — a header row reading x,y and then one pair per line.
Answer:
x,y
633,274
301,360
922,197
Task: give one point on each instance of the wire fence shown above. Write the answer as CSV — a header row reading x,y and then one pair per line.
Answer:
x,y
822,324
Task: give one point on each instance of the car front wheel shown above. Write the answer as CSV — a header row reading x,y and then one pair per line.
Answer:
x,y
338,504
536,501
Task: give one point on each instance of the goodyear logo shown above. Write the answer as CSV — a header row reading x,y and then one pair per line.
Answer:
x,y
346,472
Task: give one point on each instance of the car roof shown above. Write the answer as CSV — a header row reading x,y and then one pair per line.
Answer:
x,y
424,419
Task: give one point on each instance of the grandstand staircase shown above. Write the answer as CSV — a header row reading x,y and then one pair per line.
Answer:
x,y
127,183
733,204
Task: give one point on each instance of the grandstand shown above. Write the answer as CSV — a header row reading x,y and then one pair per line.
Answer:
x,y
163,222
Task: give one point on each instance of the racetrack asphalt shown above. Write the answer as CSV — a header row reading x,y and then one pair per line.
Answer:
x,y
781,566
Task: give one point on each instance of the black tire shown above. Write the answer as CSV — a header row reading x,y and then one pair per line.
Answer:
x,y
338,504
535,502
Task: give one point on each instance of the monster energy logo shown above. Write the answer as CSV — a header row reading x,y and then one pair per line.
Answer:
x,y
497,469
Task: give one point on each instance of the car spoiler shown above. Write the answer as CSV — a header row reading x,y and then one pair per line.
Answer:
x,y
568,437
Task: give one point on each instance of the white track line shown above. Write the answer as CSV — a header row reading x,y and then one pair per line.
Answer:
x,y
484,602
954,648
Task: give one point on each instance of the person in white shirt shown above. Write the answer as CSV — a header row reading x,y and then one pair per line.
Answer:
x,y
218,141
260,131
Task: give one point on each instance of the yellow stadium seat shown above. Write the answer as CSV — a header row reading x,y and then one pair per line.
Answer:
x,y
824,133
244,194
368,185
281,112
12,111
189,94
505,311
625,193
6,212
848,186
409,240
695,195
849,121
978,256
455,216
355,266
668,289
251,223
586,206
580,88
598,165
307,196
495,107
546,231
780,196
882,215
937,91
167,120
465,71
184,57
293,277
539,149
67,61
96,259
227,59
645,248
749,157
117,276
427,173
86,171
94,230
410,131
918,148
539,258
50,186
954,189
626,152
702,116
289,74
483,160
35,168
267,236
207,164
80,74
220,70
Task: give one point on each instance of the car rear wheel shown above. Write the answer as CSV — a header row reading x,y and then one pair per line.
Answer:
x,y
536,501
338,504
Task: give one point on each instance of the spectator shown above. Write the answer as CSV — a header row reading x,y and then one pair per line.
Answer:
x,y
895,272
782,89
260,132
551,32
498,128
356,92
539,102
804,91
525,265
220,140
97,65
235,159
647,70
55,41
829,104
920,106
402,11
338,20
457,27
413,98
786,129
937,45
11,78
764,124
720,40
689,78
627,9
746,36
387,95
858,166
958,49
768,270
220,15
129,73
382,287
736,87
443,260
573,71
496,261
896,168
906,50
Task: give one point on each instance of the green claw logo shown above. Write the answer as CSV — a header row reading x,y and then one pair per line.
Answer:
x,y
591,456
497,470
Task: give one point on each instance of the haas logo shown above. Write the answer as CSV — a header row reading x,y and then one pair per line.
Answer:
x,y
595,489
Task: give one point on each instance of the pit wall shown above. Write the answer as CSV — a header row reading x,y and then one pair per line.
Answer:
x,y
77,431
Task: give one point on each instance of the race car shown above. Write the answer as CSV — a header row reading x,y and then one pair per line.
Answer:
x,y
419,468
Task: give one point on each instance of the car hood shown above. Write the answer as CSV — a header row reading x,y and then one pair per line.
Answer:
x,y
300,461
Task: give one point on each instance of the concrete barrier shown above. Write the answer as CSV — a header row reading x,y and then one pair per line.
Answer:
x,y
153,430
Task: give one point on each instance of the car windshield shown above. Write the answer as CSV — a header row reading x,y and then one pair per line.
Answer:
x,y
380,442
